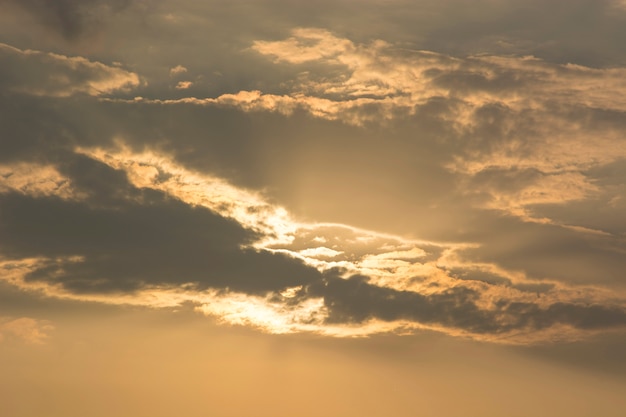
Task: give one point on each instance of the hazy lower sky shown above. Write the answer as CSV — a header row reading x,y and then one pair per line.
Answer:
x,y
330,208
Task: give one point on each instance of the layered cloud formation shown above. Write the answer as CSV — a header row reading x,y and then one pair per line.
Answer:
x,y
136,207
517,118
136,228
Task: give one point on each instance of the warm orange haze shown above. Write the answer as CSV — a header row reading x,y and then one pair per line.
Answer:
x,y
279,208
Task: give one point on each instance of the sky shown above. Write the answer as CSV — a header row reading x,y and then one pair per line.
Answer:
x,y
330,208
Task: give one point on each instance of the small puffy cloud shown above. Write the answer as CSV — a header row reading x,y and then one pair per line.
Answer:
x,y
24,329
177,70
46,74
183,85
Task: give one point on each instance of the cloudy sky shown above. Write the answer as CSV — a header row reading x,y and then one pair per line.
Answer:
x,y
329,208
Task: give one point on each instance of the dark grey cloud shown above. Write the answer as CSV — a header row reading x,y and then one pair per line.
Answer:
x,y
30,127
355,300
71,18
561,31
586,32
129,238
550,252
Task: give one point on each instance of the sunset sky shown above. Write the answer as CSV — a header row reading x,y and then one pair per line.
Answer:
x,y
328,208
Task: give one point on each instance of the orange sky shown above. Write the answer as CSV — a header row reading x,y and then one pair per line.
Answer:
x,y
268,208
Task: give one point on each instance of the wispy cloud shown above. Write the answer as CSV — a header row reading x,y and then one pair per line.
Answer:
x,y
36,180
47,74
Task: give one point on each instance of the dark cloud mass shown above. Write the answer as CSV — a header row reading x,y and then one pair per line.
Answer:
x,y
355,300
130,238
71,18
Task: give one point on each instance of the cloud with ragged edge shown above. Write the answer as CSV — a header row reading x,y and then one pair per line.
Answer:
x,y
46,74
137,228
540,125
36,180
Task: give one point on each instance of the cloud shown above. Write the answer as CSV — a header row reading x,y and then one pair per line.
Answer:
x,y
308,44
515,191
72,18
24,329
540,124
177,70
36,180
381,70
122,238
150,232
355,300
46,74
183,85
122,201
